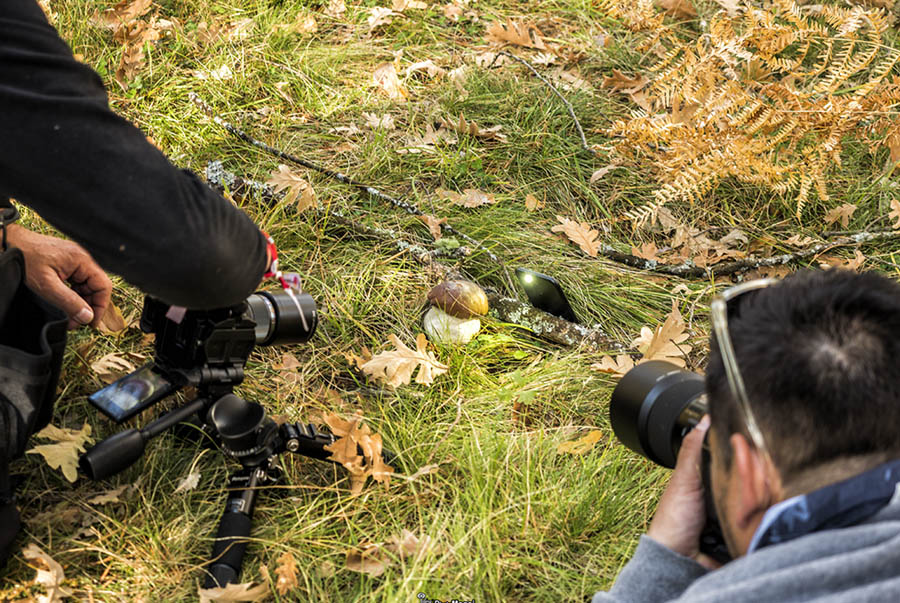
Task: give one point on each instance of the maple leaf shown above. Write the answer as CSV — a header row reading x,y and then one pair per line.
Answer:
x,y
532,203
666,342
395,367
50,578
287,574
517,34
579,233
647,251
842,213
619,365
385,78
249,592
335,9
681,9
434,225
582,444
894,214
470,198
298,189
65,452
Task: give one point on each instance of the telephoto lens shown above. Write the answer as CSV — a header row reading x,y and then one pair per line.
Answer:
x,y
282,317
654,406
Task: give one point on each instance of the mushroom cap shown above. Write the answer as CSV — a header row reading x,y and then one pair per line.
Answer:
x,y
462,299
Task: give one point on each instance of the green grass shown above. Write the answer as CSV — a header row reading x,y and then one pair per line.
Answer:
x,y
511,518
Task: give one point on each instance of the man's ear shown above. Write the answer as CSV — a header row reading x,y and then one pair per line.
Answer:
x,y
755,482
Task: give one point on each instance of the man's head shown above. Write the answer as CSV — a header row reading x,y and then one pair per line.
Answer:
x,y
820,358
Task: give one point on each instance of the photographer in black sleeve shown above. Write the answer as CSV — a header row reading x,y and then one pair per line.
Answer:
x,y
803,391
96,178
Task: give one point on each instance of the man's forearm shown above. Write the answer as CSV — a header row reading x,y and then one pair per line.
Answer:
x,y
95,177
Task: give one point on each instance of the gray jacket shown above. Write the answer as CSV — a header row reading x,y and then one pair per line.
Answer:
x,y
858,564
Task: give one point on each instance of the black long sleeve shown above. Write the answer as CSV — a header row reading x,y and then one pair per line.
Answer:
x,y
95,177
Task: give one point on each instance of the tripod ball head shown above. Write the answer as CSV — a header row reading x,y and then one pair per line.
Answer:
x,y
247,433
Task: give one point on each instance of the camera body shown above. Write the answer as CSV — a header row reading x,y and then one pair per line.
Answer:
x,y
206,348
652,408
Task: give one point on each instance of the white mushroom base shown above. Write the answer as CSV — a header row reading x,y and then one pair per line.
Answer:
x,y
443,328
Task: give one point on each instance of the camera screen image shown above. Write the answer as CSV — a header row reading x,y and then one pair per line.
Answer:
x,y
132,393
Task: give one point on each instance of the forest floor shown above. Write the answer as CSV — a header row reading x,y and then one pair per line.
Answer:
x,y
492,508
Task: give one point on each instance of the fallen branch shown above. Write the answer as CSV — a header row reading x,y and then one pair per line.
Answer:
x,y
371,191
504,309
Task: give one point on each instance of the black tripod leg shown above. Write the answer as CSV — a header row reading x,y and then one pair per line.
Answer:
x,y
234,529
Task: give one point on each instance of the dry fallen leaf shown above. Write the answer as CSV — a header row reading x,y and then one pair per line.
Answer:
x,y
111,368
65,452
434,225
579,233
582,444
298,188
188,483
395,367
647,251
335,9
894,214
108,497
598,174
518,34
219,74
375,122
427,66
385,78
123,12
50,578
842,213
472,129
374,559
112,320
619,365
354,436
666,342
681,9
379,15
470,198
234,593
401,5
287,574
629,86
532,203
854,263
798,240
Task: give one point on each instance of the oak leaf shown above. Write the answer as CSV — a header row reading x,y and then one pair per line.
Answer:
x,y
470,198
854,263
375,122
665,342
427,66
358,450
395,367
385,77
434,225
582,444
379,15
517,34
297,188
625,84
287,574
50,575
249,592
579,233
374,559
123,12
111,367
894,214
842,213
109,497
188,483
681,9
335,9
402,5
619,365
64,454
647,251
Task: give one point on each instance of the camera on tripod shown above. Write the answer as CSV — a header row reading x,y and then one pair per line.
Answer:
x,y
652,409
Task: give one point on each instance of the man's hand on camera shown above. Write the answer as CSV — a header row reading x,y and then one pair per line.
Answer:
x,y
681,513
50,263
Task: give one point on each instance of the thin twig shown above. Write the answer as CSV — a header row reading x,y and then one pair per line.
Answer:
x,y
569,108
343,178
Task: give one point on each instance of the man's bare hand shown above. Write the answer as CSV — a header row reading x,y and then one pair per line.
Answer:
x,y
681,513
51,263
